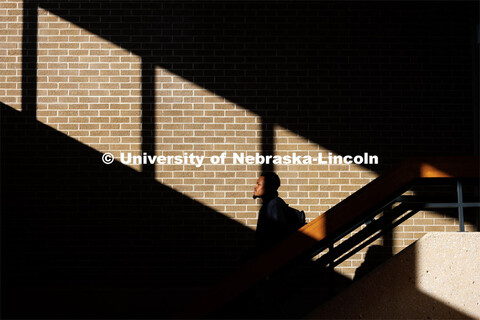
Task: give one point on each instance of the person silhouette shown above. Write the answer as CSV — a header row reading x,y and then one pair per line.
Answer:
x,y
273,222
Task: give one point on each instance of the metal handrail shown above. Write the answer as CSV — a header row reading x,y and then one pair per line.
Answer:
x,y
348,213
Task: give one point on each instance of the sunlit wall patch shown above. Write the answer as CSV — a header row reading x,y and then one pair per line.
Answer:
x,y
88,87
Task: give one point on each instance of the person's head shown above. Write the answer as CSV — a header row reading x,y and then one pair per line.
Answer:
x,y
267,185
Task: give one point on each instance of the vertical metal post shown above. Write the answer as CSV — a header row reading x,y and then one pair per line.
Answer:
x,y
331,273
460,206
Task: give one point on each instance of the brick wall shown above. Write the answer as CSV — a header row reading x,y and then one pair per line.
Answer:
x,y
11,53
87,87
275,78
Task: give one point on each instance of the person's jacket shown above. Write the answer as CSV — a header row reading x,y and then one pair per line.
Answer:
x,y
273,223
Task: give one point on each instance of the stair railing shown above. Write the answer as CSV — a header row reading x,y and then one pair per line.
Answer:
x,y
360,208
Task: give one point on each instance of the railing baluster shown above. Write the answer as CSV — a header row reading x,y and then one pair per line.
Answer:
x,y
460,206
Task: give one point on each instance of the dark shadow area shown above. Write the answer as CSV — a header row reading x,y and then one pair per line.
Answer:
x,y
84,239
268,143
148,115
289,293
81,239
391,79
29,58
375,256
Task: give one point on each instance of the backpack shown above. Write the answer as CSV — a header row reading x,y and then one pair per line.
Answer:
x,y
297,217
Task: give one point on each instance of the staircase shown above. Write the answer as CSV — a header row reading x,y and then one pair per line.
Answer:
x,y
286,283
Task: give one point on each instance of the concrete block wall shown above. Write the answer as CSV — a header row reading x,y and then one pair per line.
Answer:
x,y
422,281
274,78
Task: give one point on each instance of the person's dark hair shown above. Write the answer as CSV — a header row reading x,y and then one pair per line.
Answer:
x,y
272,183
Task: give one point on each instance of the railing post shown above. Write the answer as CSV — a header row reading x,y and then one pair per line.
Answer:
x,y
461,220
331,269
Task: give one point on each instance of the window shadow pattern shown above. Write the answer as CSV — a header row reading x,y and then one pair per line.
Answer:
x,y
297,79
351,77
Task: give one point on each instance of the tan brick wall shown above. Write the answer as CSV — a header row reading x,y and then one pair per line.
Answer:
x,y
193,120
11,19
90,89
315,188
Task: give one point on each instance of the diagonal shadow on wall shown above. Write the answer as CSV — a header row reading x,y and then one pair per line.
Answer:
x,y
71,222
351,77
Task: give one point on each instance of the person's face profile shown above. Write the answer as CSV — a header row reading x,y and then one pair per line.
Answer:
x,y
259,189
